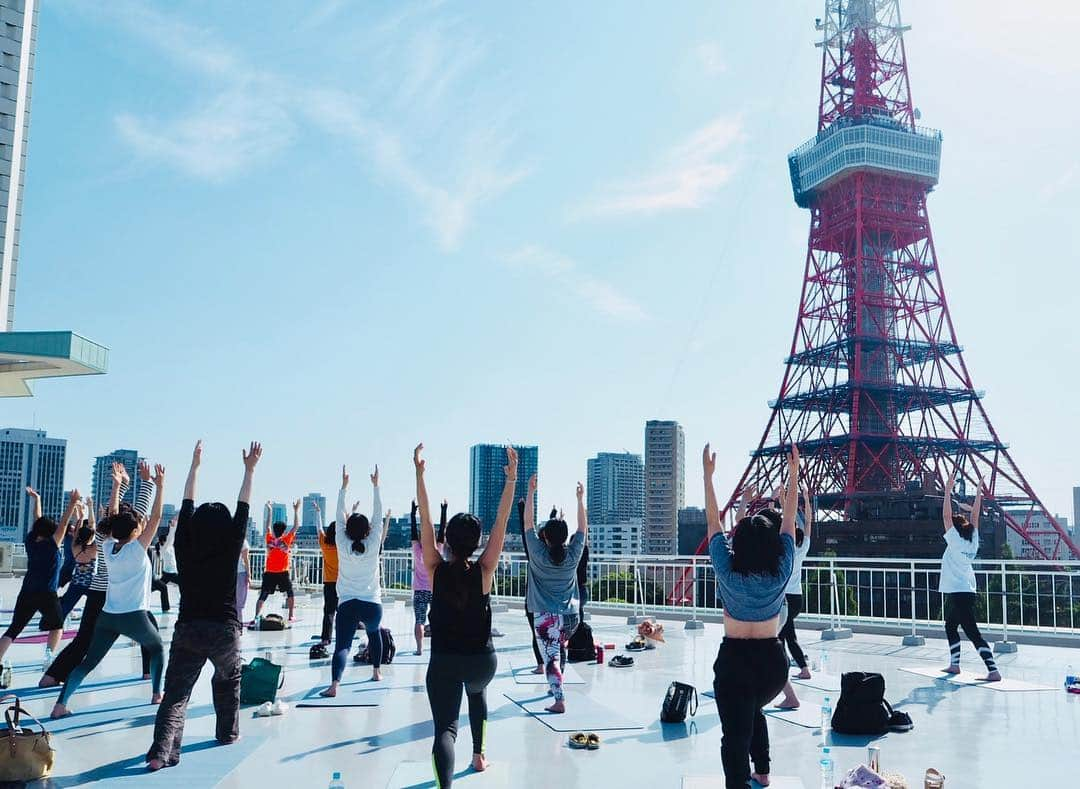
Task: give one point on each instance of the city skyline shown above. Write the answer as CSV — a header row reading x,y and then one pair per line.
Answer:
x,y
665,287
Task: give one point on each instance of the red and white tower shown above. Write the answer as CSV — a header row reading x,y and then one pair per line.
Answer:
x,y
876,392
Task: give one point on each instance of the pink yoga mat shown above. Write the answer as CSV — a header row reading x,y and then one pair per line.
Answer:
x,y
41,638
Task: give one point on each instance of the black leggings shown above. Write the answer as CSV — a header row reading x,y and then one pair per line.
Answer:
x,y
960,612
748,674
447,674
787,632
329,608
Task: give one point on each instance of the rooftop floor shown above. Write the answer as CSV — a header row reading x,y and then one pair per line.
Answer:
x,y
976,736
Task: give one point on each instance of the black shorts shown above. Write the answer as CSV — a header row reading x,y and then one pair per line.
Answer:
x,y
29,603
275,582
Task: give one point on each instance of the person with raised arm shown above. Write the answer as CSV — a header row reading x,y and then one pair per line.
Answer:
x,y
553,588
752,566
793,598
328,546
208,544
358,586
80,541
38,591
523,504
127,602
421,581
279,541
462,654
957,581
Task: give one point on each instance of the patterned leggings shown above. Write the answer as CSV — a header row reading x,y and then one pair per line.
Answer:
x,y
421,599
553,631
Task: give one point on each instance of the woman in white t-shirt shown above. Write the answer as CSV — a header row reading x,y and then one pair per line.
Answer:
x,y
958,581
127,600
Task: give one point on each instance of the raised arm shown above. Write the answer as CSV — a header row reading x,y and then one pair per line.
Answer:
x,y
251,460
170,534
432,559
33,494
414,534
61,527
295,516
748,495
791,494
976,507
808,513
119,477
320,519
946,504
149,531
440,536
193,471
712,510
342,515
529,522
489,559
376,507
91,515
582,517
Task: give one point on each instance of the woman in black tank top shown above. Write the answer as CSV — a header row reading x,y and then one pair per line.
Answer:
x,y
461,651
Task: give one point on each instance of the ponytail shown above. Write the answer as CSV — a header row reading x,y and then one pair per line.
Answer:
x,y
357,529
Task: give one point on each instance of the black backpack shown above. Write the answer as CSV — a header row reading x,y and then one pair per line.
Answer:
x,y
677,703
271,622
318,652
389,649
581,646
862,708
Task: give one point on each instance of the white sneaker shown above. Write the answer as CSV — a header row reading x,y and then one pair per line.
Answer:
x,y
265,710
279,708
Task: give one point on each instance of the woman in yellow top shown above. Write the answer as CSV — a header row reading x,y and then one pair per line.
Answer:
x,y
329,572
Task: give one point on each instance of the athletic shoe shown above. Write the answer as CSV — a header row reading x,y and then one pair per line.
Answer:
x,y
279,707
265,710
621,661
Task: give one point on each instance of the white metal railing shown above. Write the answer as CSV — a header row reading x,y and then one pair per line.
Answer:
x,y
1015,595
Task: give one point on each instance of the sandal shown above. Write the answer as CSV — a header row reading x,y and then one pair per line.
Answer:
x,y
593,741
621,661
578,741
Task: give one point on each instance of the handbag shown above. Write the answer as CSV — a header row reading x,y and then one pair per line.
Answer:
x,y
260,680
677,703
25,754
271,622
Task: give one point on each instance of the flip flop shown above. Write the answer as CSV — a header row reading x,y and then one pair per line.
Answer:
x,y
579,741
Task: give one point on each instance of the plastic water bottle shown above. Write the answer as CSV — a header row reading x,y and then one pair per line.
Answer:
x,y
336,782
1070,676
47,659
825,661
827,770
826,717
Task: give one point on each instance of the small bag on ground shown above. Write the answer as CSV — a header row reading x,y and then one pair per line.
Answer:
x,y
25,754
862,708
681,700
389,649
581,646
272,622
260,680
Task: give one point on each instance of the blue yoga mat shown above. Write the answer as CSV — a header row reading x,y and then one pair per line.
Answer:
x,y
366,694
34,692
583,713
419,775
202,763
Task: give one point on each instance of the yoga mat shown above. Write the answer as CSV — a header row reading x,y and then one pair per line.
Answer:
x,y
133,712
717,782
419,775
522,671
820,682
406,658
41,638
583,713
807,716
34,692
366,694
202,763
975,680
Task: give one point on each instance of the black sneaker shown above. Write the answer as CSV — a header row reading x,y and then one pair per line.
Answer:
x,y
621,661
900,722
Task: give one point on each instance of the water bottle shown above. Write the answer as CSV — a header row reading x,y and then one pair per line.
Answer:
x,y
826,717
825,661
47,660
827,770
336,782
1070,676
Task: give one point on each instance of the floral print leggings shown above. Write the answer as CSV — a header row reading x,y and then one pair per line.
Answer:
x,y
552,632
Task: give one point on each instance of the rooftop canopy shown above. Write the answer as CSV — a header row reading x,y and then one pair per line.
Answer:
x,y
27,355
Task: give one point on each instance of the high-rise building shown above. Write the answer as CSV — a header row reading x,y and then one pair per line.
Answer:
x,y
308,534
616,487
279,513
101,476
486,478
665,484
1076,508
615,539
29,458
692,530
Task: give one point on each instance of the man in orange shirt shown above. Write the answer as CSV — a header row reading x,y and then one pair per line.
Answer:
x,y
276,575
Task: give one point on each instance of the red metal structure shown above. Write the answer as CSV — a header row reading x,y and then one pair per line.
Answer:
x,y
876,392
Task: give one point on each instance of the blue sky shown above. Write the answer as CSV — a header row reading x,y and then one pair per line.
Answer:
x,y
347,231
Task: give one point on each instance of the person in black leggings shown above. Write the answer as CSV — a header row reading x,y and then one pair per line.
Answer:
x,y
529,614
462,655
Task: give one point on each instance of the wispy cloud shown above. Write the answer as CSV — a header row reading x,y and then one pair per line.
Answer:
x,y
600,295
247,114
710,58
687,176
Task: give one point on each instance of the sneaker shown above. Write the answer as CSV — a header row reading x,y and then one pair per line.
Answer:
x,y
265,710
279,707
900,722
621,661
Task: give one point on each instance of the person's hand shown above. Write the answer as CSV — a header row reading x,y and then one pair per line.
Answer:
x,y
296,505
32,493
356,506
124,477
119,473
344,478
159,475
375,476
444,504
74,496
748,495
580,491
510,469
950,482
708,461
251,457
268,507
143,470
414,508
196,454
532,484
315,504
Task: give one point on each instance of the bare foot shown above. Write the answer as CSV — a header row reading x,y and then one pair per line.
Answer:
x,y
479,762
993,676
153,765
330,692
804,674
418,652
558,707
59,711
788,704
146,676
538,670
761,778
48,682
952,670
376,676
155,699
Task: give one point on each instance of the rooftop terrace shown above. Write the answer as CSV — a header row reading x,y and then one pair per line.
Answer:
x,y
977,736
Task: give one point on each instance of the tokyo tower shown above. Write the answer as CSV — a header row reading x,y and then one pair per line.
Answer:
x,y
876,392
